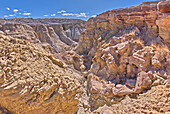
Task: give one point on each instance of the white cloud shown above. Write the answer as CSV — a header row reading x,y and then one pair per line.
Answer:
x,y
53,14
45,15
26,14
76,15
19,13
62,11
5,15
93,15
11,15
15,10
8,9
82,15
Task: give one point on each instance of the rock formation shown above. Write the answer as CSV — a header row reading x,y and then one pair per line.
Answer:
x,y
117,62
59,33
127,52
32,78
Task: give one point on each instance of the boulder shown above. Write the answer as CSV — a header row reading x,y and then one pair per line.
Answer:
x,y
143,82
131,83
121,90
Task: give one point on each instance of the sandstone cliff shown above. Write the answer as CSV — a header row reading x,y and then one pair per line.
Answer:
x,y
146,20
117,62
127,52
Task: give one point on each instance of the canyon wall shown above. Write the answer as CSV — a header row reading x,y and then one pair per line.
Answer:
x,y
60,34
117,62
146,20
126,52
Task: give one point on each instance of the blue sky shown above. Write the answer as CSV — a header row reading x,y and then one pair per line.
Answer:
x,y
81,9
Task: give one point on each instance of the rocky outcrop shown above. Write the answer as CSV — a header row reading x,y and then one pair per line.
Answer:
x,y
154,101
117,62
128,67
58,33
163,25
147,20
127,52
34,81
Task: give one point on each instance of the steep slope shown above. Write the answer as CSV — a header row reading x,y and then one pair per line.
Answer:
x,y
59,33
127,52
32,80
148,19
117,62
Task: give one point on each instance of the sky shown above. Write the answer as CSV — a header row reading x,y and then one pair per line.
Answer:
x,y
79,9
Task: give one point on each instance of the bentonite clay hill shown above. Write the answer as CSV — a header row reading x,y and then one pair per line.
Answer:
x,y
117,62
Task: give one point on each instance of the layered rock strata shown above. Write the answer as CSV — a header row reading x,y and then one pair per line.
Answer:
x,y
58,33
148,19
123,54
127,52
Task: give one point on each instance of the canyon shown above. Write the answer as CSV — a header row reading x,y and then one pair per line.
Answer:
x,y
116,62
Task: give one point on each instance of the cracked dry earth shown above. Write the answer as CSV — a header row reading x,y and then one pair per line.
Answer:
x,y
115,63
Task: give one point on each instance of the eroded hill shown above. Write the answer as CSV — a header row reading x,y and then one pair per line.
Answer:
x,y
117,62
60,34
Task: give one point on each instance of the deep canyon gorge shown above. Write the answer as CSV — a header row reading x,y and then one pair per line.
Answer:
x,y
115,63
